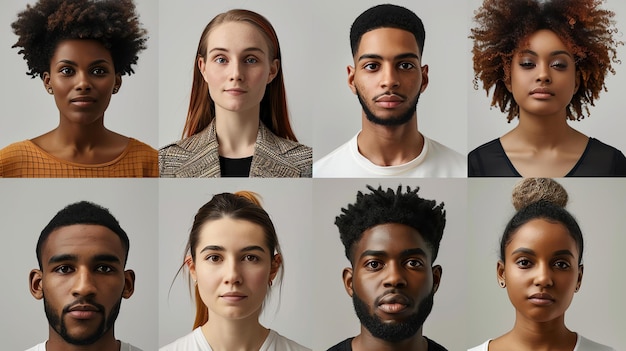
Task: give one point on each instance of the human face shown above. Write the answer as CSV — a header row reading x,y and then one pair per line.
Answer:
x,y
392,282
387,75
82,282
543,75
233,268
541,270
82,78
237,67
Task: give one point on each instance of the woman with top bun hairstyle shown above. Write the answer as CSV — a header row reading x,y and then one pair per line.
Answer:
x,y
541,268
80,49
234,260
237,123
544,62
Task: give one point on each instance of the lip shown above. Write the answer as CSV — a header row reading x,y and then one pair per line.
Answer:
x,y
541,299
541,93
83,311
83,100
389,100
233,296
394,303
235,91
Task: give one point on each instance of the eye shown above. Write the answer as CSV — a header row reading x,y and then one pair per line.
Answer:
x,y
559,65
251,60
527,64
414,263
406,65
213,258
251,258
66,71
563,265
64,269
373,265
104,269
523,263
220,60
371,66
99,71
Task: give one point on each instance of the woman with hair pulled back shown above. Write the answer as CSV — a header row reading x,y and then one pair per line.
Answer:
x,y
234,259
237,123
540,266
544,62
80,49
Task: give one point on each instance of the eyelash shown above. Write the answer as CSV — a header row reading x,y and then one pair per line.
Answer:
x,y
248,258
524,263
96,71
223,60
373,66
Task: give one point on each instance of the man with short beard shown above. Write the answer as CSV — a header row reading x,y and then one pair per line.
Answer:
x,y
82,279
387,42
391,239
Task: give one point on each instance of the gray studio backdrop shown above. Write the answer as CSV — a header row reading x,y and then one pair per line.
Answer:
x,y
597,310
289,206
334,318
26,207
605,123
29,111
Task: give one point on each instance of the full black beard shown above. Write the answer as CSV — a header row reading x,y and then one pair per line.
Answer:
x,y
391,121
58,323
393,332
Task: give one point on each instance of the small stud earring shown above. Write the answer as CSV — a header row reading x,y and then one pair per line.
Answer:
x,y
502,284
115,90
50,91
271,283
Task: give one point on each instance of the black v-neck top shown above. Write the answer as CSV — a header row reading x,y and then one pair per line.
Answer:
x,y
598,160
235,167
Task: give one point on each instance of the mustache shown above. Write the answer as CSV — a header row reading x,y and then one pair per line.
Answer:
x,y
389,93
79,302
394,291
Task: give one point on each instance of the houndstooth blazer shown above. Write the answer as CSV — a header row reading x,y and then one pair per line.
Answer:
x,y
197,156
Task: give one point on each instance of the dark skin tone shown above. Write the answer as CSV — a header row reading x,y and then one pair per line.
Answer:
x,y
82,79
391,256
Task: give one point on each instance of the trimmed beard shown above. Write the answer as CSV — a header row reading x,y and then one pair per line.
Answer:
x,y
400,119
58,322
393,332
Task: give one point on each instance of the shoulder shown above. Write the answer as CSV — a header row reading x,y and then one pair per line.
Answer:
x,y
602,147
281,343
190,342
434,346
337,161
584,344
345,345
489,147
280,157
39,347
191,157
600,160
140,146
482,347
449,162
18,148
192,144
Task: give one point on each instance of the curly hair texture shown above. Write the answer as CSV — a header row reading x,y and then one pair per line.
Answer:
x,y
380,207
504,25
114,23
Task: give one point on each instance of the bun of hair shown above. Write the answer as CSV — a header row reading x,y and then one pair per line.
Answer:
x,y
531,190
251,196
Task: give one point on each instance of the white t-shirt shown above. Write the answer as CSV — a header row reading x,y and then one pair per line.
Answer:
x,y
435,160
582,344
195,341
124,347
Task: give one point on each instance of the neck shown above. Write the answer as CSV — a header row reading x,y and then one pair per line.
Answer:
x,y
367,342
390,145
544,131
542,335
234,335
236,132
82,137
106,343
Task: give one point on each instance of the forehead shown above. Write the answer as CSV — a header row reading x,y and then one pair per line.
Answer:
x,y
543,237
236,36
82,240
392,239
543,41
387,42
231,234
76,49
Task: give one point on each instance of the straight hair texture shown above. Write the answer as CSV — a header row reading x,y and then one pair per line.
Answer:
x,y
242,205
273,113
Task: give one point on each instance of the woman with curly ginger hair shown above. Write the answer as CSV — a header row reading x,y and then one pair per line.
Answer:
x,y
544,62
80,49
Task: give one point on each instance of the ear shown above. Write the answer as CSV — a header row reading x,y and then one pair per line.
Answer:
x,y
351,71
424,78
347,280
277,261
577,83
202,67
580,277
129,283
46,81
192,267
273,70
35,283
500,272
437,272
118,83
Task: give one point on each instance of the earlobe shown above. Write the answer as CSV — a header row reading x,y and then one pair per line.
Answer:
x,y
35,284
500,274
351,70
129,283
347,280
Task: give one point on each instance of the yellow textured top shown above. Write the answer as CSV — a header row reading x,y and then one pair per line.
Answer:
x,y
25,159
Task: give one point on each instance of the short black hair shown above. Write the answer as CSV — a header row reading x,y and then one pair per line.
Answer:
x,y
113,23
380,207
82,212
387,16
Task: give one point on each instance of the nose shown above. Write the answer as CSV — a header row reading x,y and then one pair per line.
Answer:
x,y
395,276
84,284
544,74
389,78
83,81
236,73
543,276
232,273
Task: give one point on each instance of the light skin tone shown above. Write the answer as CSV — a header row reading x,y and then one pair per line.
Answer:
x,y
233,269
82,279
388,74
238,67
543,81
82,79
542,273
392,273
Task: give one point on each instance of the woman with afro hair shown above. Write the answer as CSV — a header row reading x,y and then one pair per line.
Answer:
x,y
80,49
544,62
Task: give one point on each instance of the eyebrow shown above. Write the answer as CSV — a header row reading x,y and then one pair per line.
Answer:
x,y
531,252
73,258
397,57
244,50
72,63
221,248
407,252
553,53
